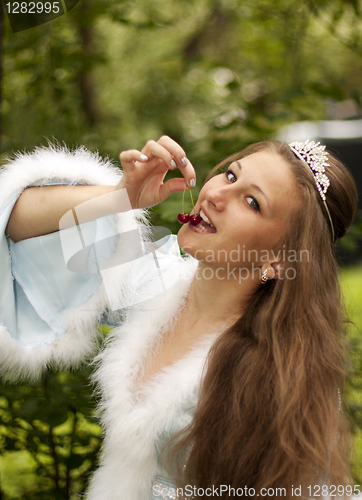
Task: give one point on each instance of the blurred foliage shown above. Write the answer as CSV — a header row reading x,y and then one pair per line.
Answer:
x,y
53,424
215,75
351,243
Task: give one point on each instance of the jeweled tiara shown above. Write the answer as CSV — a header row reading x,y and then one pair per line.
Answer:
x,y
315,156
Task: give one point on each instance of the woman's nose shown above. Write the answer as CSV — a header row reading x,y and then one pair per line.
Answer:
x,y
217,197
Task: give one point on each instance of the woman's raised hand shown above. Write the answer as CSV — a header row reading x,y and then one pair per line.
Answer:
x,y
144,172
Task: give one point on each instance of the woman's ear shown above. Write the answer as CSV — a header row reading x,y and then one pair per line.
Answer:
x,y
277,269
274,270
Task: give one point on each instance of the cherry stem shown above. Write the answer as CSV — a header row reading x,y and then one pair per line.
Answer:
x,y
192,201
183,201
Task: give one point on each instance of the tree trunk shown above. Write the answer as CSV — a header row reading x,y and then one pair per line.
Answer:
x,y
86,84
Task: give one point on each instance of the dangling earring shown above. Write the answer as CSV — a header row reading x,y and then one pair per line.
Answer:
x,y
264,277
184,218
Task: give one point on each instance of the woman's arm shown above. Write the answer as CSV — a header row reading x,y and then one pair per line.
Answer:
x,y
39,209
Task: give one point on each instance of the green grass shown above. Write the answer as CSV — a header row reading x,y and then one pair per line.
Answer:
x,y
351,282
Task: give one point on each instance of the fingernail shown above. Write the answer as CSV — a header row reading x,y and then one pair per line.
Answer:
x,y
192,183
184,161
173,164
143,157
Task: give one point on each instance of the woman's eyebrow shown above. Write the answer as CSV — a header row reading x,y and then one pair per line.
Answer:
x,y
254,186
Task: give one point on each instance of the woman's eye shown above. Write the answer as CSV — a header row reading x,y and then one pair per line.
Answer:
x,y
230,176
253,203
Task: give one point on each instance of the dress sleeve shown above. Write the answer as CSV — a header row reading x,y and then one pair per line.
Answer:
x,y
49,312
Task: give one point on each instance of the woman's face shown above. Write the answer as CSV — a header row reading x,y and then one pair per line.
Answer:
x,y
249,207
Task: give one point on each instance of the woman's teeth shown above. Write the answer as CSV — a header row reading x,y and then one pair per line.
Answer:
x,y
205,224
205,218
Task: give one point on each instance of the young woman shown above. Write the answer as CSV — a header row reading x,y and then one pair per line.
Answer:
x,y
223,376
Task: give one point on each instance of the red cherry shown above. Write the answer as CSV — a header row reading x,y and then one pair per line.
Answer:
x,y
183,218
195,219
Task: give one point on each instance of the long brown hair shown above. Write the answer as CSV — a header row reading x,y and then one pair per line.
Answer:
x,y
269,414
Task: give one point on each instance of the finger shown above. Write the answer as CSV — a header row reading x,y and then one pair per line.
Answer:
x,y
154,149
172,186
175,149
179,155
127,158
